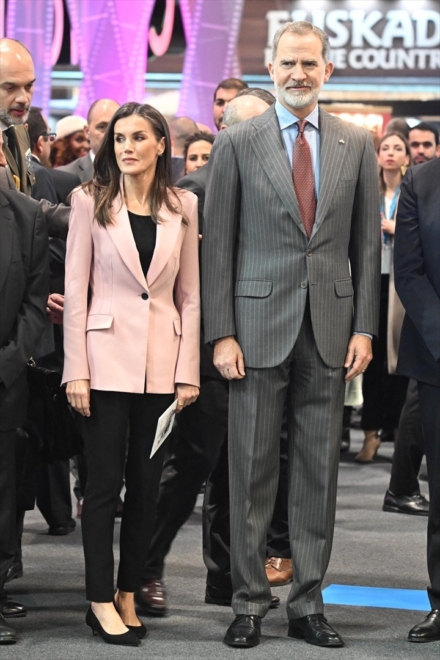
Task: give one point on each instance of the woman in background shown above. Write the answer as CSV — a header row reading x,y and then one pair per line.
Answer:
x,y
197,151
383,391
131,341
71,141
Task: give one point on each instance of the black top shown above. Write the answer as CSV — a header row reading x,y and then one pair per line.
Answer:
x,y
144,234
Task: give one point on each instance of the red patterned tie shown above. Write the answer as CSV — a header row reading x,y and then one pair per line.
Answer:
x,y
303,179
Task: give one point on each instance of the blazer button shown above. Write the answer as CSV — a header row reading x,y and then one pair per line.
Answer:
x,y
303,285
145,296
309,253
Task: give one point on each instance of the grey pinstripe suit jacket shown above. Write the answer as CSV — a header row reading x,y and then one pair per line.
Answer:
x,y
257,261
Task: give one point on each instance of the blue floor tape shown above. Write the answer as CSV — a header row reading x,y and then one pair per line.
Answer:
x,y
396,599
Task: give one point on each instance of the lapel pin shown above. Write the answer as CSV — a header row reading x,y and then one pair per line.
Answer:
x,y
341,141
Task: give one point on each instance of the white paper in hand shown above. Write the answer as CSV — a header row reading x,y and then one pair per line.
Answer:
x,y
164,427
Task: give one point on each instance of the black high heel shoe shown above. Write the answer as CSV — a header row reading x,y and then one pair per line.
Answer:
x,y
140,631
125,639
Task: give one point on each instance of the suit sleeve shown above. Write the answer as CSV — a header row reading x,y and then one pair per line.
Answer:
x,y
221,208
365,245
57,218
418,296
31,318
79,254
187,300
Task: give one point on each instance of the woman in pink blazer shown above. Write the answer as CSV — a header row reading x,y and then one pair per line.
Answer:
x,y
131,343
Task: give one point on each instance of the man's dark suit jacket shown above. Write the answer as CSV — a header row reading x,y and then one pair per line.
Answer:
x,y
24,287
56,216
417,272
196,183
51,184
81,167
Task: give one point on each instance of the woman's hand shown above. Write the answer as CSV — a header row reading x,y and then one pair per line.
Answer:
x,y
388,226
78,395
185,395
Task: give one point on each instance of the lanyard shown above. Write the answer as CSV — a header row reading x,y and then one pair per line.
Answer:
x,y
393,204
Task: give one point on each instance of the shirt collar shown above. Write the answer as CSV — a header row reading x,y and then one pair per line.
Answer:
x,y
4,126
287,119
92,155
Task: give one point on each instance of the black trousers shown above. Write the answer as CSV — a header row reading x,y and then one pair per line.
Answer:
x,y
53,493
105,433
200,435
278,542
410,446
7,506
384,394
429,397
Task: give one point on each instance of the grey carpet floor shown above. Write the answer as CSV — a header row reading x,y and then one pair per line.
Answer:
x,y
371,548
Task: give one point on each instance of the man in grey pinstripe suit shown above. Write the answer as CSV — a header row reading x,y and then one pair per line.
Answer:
x,y
291,307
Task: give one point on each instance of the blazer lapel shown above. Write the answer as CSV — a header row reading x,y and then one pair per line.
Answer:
x,y
6,237
168,231
122,236
333,147
268,146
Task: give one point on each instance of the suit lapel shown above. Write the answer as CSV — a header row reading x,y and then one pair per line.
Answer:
x,y
6,238
334,143
268,146
167,234
10,159
122,237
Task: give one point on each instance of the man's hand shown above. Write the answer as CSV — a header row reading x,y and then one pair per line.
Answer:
x,y
78,395
54,308
228,358
359,355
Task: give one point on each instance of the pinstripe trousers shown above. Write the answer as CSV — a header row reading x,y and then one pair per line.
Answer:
x,y
315,396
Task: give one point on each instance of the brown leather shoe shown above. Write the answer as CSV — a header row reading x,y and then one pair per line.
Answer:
x,y
279,571
151,598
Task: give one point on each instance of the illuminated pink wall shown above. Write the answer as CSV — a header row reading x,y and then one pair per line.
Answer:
x,y
32,22
210,55
110,40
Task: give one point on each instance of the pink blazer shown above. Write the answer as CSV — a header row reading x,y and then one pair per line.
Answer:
x,y
133,328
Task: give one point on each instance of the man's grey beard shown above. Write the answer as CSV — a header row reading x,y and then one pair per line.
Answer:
x,y
7,119
298,99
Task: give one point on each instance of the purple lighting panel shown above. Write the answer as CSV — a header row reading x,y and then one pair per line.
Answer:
x,y
210,55
112,40
31,21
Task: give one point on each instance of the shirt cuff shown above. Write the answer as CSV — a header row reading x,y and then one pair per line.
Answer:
x,y
365,334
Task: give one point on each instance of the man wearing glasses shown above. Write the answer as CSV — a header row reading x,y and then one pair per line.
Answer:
x,y
50,184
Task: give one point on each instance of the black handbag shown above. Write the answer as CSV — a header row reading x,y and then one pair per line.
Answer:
x,y
49,416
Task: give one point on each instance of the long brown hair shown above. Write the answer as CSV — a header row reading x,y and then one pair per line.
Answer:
x,y
382,186
105,185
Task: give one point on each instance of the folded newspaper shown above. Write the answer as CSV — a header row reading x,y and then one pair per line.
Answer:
x,y
164,427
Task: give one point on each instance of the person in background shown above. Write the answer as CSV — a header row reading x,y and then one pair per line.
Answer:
x,y
71,141
17,79
225,91
131,345
383,391
98,118
417,277
423,143
197,150
181,129
23,293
